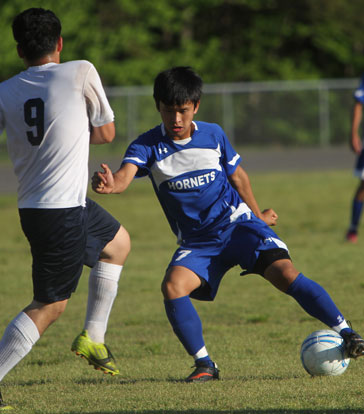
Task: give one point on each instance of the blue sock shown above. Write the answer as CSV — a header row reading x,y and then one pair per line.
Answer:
x,y
204,362
356,213
186,323
315,301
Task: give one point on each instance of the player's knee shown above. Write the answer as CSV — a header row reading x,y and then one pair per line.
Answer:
x,y
165,289
178,282
122,241
172,290
119,248
360,191
57,308
44,314
281,274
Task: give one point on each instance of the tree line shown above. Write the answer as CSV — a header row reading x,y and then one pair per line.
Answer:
x,y
130,41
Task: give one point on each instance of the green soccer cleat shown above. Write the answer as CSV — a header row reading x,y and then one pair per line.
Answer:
x,y
97,354
4,406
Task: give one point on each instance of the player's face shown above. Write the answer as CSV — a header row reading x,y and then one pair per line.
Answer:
x,y
178,119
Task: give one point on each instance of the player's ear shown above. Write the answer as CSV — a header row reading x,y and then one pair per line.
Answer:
x,y
60,44
20,51
196,107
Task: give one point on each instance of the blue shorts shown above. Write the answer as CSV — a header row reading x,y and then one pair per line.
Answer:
x,y
62,241
359,167
240,244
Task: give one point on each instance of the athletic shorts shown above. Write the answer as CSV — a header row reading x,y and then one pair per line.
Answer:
x,y
240,244
61,242
359,167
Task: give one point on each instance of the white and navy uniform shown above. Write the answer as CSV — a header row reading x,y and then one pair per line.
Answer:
x,y
359,97
214,227
47,111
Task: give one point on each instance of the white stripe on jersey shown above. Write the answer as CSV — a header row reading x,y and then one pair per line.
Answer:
x,y
234,160
136,159
185,161
237,212
277,242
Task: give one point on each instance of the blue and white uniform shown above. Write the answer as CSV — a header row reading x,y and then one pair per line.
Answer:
x,y
214,227
359,166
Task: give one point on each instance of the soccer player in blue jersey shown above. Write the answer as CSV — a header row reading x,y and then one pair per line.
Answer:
x,y
209,203
357,146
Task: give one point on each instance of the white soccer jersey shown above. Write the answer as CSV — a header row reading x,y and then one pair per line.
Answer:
x,y
46,111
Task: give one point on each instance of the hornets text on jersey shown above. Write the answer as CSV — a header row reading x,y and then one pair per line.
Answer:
x,y
190,178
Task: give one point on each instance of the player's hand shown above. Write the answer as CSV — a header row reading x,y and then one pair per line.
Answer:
x,y
356,144
270,217
103,182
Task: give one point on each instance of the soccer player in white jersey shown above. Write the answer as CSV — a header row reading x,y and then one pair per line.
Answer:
x,y
52,111
210,206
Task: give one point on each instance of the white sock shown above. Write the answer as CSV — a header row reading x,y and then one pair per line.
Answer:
x,y
103,287
202,353
342,325
18,339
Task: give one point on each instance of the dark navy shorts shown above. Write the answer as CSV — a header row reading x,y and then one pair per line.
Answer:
x,y
62,241
240,244
359,167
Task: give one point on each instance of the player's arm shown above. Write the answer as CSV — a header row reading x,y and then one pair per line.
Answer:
x,y
103,134
355,141
241,182
106,182
99,111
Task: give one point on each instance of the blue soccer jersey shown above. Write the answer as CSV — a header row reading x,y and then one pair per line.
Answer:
x,y
359,92
190,178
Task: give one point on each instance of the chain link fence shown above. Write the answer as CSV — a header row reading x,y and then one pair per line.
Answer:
x,y
279,113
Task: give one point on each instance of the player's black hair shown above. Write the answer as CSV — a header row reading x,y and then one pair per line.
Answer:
x,y
36,31
176,86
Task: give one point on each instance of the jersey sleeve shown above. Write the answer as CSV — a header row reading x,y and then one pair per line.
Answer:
x,y
98,107
230,159
138,154
359,92
2,122
2,118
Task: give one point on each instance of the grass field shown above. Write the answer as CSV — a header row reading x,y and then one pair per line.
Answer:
x,y
251,330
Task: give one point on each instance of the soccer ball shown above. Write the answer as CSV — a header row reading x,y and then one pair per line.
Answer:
x,y
323,353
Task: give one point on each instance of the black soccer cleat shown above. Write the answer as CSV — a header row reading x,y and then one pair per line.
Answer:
x,y
354,344
203,373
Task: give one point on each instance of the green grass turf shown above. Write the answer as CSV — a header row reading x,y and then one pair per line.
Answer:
x,y
252,331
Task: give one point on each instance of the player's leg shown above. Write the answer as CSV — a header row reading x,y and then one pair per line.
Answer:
x,y
357,203
108,245
57,244
314,299
177,285
356,212
103,285
25,330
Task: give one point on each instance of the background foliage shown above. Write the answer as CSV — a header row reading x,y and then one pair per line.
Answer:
x,y
224,40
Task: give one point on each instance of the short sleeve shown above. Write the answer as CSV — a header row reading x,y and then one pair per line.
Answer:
x,y
230,159
359,92
98,107
2,119
138,154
